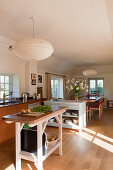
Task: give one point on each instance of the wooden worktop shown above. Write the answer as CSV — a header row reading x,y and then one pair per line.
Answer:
x,y
32,120
16,102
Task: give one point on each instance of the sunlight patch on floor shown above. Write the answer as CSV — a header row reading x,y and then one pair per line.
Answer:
x,y
97,138
90,131
10,167
103,144
85,136
29,166
105,137
73,131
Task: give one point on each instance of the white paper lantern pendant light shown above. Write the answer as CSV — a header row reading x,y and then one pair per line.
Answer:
x,y
89,72
33,48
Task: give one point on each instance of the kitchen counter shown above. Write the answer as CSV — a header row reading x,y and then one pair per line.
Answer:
x,y
15,102
12,108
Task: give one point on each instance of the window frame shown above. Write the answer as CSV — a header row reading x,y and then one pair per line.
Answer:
x,y
54,77
10,84
96,79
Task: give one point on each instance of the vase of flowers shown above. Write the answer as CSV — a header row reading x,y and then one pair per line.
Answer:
x,y
77,87
76,97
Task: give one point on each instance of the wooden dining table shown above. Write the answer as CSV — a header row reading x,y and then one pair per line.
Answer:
x,y
91,99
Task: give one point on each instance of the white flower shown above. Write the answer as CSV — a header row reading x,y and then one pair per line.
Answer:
x,y
75,84
71,88
72,81
67,81
77,88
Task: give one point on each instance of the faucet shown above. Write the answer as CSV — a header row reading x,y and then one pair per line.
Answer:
x,y
4,97
10,94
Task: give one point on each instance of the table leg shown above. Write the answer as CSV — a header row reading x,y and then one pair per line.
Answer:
x,y
39,147
18,146
60,135
99,112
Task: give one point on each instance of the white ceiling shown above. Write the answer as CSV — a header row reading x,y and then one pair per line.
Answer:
x,y
81,31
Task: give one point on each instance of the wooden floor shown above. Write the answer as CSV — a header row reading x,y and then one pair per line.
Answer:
x,y
91,150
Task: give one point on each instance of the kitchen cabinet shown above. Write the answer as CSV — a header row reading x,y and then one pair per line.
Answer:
x,y
7,131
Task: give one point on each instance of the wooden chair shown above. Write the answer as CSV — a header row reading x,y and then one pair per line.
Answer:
x,y
88,112
102,102
95,93
97,106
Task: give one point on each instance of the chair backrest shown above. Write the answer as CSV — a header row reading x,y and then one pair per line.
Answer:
x,y
95,93
102,101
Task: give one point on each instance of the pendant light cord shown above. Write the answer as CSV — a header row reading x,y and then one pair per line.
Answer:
x,y
33,19
33,28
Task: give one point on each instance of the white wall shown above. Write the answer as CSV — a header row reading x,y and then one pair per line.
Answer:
x,y
9,63
108,86
31,68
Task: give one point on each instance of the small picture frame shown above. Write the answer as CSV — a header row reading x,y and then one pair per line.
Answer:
x,y
40,79
33,76
33,79
33,82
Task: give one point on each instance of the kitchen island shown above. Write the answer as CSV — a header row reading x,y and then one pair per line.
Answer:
x,y
40,122
73,106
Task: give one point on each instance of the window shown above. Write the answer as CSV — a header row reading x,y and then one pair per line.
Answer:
x,y
5,85
57,87
96,85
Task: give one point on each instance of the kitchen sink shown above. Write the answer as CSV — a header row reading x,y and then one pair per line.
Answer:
x,y
3,103
15,101
8,102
